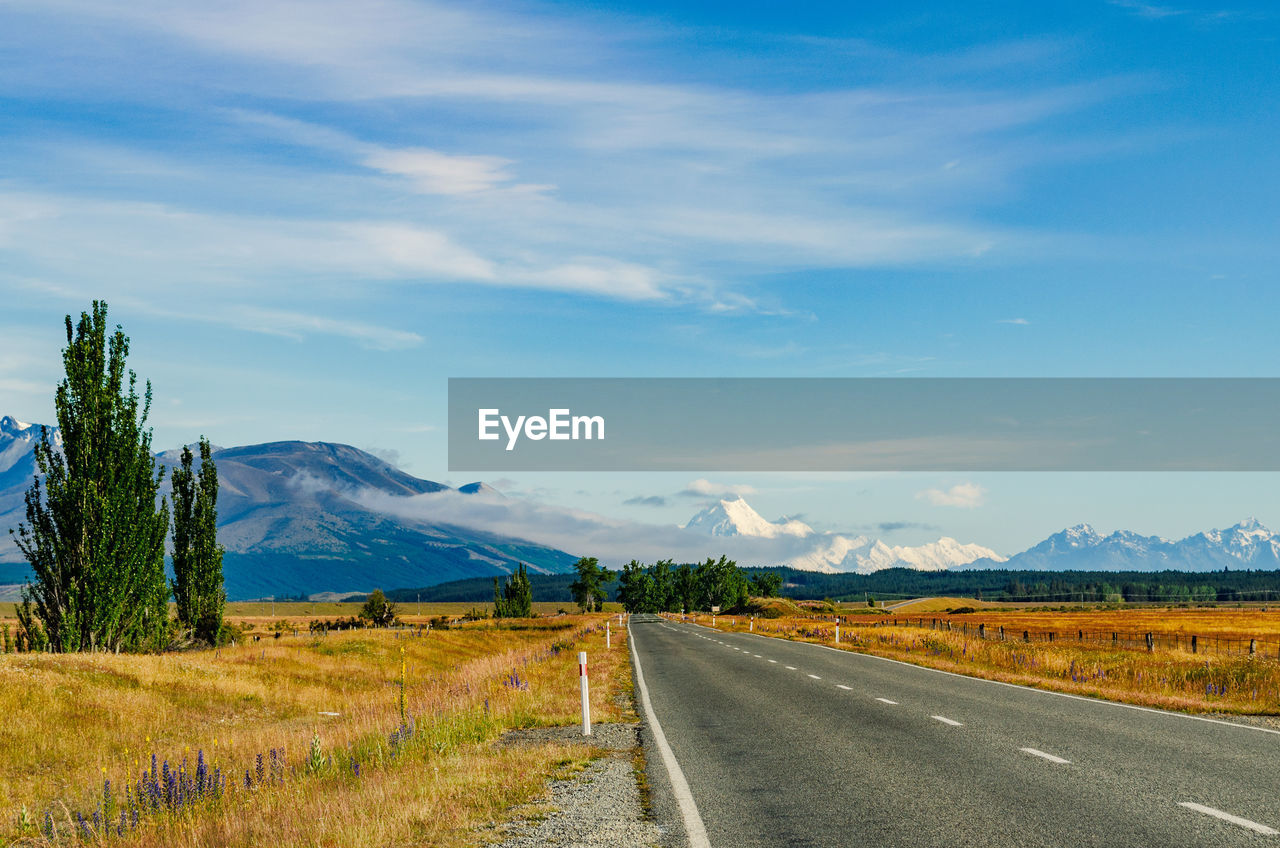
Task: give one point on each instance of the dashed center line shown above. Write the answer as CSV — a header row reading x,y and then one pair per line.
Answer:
x,y
773,661
1227,817
845,688
791,668
815,677
887,701
1050,757
946,720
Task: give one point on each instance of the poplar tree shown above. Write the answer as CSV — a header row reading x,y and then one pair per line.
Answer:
x,y
94,535
197,556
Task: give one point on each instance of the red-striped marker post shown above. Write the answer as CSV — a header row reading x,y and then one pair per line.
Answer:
x,y
586,696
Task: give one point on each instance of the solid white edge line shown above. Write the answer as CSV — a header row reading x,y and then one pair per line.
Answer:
x,y
1018,686
693,827
1227,817
1050,757
946,720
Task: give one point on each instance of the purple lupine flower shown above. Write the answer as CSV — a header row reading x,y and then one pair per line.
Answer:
x,y
261,770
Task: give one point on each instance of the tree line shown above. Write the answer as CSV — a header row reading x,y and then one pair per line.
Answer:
x,y
1031,586
95,528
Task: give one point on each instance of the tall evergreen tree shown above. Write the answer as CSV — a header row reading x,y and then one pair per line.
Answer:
x,y
94,535
588,590
197,556
515,598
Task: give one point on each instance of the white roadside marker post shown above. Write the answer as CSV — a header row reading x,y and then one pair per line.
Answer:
x,y
586,697
752,627
837,634
608,640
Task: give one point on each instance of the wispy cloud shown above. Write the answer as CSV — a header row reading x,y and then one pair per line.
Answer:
x,y
646,500
961,495
704,488
1021,322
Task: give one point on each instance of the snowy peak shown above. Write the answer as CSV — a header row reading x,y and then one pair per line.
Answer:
x,y
1248,544
10,426
833,552
735,517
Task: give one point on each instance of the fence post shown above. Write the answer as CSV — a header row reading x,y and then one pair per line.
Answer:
x,y
1026,636
1253,647
1051,635
1002,633
1151,643
1194,646
586,696
1080,635
982,631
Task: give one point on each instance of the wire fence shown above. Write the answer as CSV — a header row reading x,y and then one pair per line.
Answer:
x,y
1209,645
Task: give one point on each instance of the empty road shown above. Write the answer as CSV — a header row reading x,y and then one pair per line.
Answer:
x,y
785,743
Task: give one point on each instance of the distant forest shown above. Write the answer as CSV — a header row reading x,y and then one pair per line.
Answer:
x,y
1048,587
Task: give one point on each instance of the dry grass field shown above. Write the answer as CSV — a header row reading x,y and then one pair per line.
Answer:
x,y
305,740
1168,677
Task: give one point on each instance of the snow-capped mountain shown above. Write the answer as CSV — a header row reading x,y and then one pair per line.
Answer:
x,y
1081,548
833,552
735,517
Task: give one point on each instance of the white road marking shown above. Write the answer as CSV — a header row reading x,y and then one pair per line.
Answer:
x,y
815,677
949,721
773,661
1095,701
757,656
1050,757
693,826
887,701
1218,814
845,688
791,668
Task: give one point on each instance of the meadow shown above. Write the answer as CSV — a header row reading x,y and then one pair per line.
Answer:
x,y
387,737
1168,676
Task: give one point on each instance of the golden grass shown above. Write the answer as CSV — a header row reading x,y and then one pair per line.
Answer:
x,y
73,720
1170,679
1244,623
264,613
930,605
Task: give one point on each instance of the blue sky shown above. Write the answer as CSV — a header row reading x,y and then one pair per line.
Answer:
x,y
309,216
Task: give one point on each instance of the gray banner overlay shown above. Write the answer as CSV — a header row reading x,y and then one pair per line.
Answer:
x,y
803,424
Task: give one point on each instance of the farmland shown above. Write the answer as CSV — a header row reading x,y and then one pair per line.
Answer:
x,y
1168,676
355,737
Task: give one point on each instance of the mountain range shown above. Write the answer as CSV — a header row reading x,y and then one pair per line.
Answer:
x,y
833,552
1247,545
316,517
294,519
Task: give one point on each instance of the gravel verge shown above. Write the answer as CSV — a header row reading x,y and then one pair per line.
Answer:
x,y
598,808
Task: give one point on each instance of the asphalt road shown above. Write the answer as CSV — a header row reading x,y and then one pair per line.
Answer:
x,y
785,743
